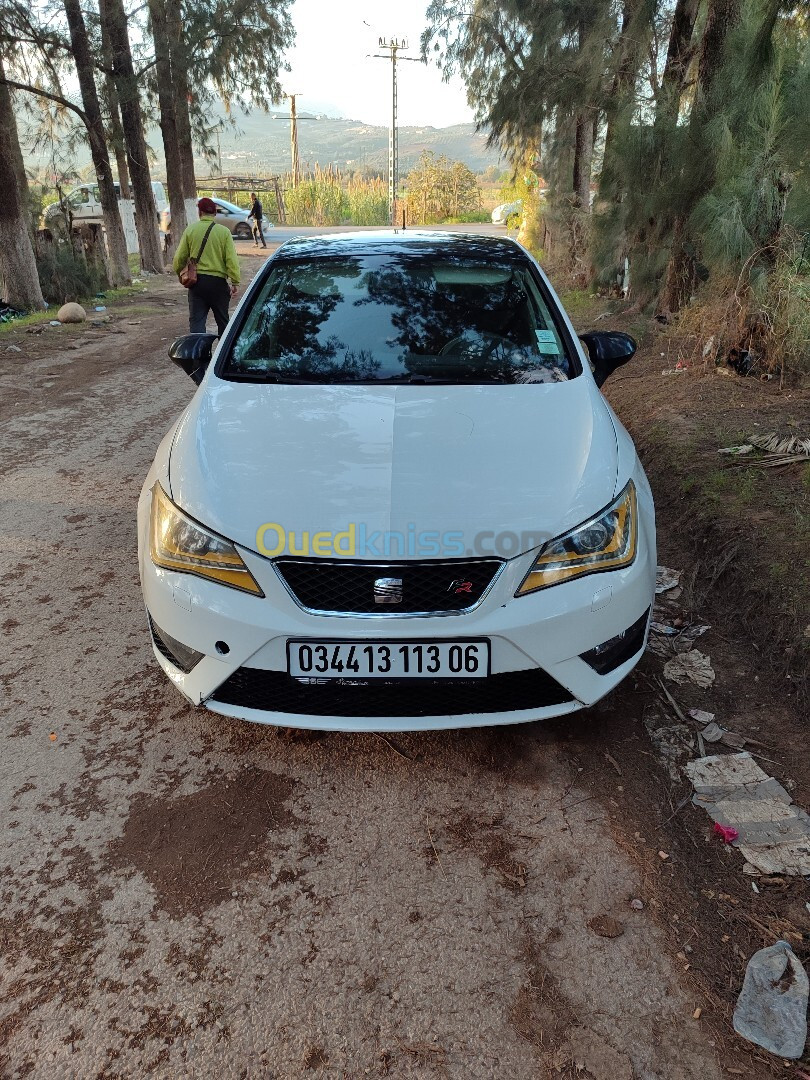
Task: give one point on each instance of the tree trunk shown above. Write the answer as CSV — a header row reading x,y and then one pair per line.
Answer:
x,y
679,55
116,240
168,119
722,16
181,91
116,136
650,236
634,36
18,162
679,279
113,14
116,132
583,158
18,268
583,142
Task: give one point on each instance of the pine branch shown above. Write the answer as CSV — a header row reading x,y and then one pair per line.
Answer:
x,y
56,98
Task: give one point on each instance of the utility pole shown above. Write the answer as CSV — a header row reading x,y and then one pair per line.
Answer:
x,y
296,170
393,47
294,118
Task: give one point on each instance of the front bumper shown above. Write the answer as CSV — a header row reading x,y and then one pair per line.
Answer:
x,y
537,642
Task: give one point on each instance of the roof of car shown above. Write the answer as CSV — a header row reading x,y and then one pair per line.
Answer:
x,y
402,242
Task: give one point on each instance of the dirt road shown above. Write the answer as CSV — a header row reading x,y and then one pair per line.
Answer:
x,y
184,896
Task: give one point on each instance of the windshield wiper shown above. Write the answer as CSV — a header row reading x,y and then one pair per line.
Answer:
x,y
265,377
449,380
416,378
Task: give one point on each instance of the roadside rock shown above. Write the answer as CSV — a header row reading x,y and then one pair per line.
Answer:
x,y
71,313
606,926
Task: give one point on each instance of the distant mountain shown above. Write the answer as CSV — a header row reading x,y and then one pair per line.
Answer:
x,y
258,143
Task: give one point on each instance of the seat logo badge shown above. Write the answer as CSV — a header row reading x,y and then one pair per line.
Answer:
x,y
458,586
388,590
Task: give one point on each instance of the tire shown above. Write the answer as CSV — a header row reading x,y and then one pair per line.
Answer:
x,y
513,221
243,232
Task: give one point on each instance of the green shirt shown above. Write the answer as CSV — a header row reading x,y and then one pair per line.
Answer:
x,y
219,258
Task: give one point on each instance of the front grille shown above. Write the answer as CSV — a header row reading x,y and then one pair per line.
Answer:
x,y
433,587
276,691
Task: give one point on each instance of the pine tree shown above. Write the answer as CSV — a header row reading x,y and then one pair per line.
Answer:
x,y
115,132
181,92
114,19
698,172
536,70
18,268
168,117
116,239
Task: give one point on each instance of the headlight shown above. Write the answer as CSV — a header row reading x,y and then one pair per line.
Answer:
x,y
178,543
606,542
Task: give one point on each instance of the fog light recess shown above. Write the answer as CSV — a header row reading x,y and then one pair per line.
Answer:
x,y
182,656
617,650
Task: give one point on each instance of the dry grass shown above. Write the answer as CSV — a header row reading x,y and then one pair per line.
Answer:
x,y
769,318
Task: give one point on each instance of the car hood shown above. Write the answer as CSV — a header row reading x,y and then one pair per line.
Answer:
x,y
532,460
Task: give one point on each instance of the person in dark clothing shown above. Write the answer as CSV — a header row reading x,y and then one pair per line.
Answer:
x,y
257,214
211,246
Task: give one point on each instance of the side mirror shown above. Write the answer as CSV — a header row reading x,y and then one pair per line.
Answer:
x,y
193,354
608,350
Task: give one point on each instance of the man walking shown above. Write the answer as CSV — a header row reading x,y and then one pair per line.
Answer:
x,y
257,214
211,246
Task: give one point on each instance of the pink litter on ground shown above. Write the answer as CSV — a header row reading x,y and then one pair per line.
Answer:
x,y
728,832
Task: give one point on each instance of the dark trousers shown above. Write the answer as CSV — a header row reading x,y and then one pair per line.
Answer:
x,y
257,233
209,294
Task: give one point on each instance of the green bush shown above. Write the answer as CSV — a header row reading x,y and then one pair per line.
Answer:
x,y
324,199
367,202
317,201
469,219
64,275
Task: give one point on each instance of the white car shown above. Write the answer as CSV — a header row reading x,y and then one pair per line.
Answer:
x,y
230,215
84,203
508,213
398,499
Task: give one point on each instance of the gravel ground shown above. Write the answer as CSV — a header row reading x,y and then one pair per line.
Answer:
x,y
187,896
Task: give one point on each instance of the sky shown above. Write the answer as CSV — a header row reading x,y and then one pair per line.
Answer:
x,y
333,73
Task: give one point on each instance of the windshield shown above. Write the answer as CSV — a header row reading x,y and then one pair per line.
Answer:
x,y
232,207
388,318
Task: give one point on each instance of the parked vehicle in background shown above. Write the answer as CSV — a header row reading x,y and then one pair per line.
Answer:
x,y
508,214
230,215
84,204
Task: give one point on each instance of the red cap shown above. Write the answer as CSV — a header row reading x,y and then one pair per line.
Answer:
x,y
207,206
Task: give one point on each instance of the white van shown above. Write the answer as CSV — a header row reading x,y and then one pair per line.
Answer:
x,y
84,203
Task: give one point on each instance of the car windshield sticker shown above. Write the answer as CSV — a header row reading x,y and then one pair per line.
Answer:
x,y
546,342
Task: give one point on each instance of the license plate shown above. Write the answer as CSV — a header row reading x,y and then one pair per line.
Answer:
x,y
388,659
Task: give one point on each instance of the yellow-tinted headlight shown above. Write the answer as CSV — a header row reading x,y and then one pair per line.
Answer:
x,y
605,542
179,543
